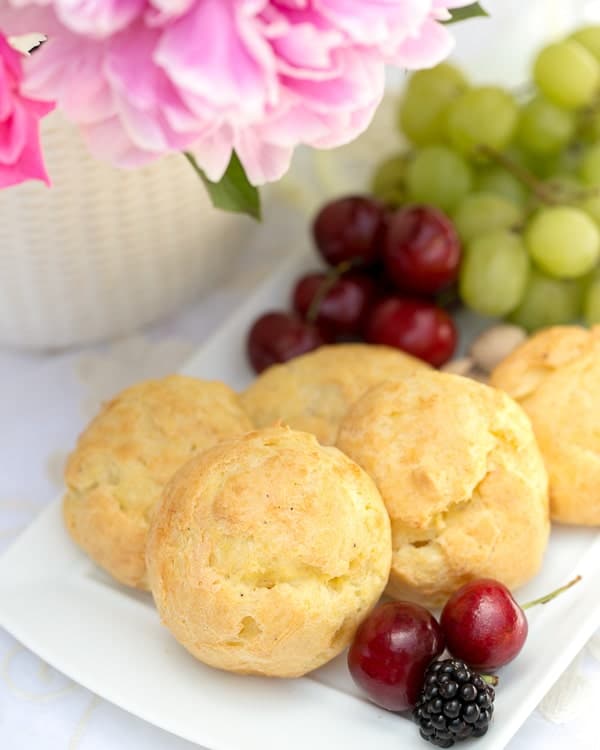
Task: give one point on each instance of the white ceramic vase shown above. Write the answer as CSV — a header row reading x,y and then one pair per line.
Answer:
x,y
105,251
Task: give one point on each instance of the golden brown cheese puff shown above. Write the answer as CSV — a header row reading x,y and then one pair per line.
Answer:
x,y
313,392
463,480
267,552
117,472
555,376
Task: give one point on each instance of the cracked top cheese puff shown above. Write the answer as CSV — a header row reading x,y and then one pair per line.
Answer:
x,y
314,391
267,552
122,461
555,376
462,478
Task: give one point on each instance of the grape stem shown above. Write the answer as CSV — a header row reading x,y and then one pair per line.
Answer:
x,y
539,189
332,277
553,195
551,595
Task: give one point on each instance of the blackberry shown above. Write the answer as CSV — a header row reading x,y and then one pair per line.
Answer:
x,y
454,704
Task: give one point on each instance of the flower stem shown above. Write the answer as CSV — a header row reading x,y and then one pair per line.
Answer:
x,y
551,595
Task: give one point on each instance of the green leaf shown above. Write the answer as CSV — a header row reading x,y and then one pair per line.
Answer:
x,y
233,192
469,11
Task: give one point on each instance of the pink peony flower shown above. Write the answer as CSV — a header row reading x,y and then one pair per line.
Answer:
x,y
147,77
20,152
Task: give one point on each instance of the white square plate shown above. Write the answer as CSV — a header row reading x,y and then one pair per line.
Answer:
x,y
109,639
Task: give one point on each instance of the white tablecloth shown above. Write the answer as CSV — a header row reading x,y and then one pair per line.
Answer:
x,y
45,401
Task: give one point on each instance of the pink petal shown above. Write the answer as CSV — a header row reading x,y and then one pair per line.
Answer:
x,y
13,135
263,162
6,93
375,21
110,141
98,18
11,60
164,11
213,152
427,48
221,70
30,163
38,108
69,70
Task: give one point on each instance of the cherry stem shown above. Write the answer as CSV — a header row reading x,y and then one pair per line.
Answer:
x,y
332,277
551,595
490,679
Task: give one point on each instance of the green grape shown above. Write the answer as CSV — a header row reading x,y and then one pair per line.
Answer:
x,y
570,190
484,116
589,37
563,241
481,213
591,205
497,180
567,74
494,273
423,107
389,181
445,78
591,302
439,176
547,302
544,128
589,167
545,166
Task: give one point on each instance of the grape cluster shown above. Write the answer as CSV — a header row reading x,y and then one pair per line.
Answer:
x,y
519,175
386,269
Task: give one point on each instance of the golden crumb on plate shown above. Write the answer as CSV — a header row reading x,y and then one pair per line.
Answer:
x,y
267,552
313,392
555,376
463,480
124,458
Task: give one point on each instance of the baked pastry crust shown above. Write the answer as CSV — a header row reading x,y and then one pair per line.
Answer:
x,y
267,552
555,376
463,480
124,458
312,393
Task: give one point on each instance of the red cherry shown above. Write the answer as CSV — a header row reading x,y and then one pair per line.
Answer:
x,y
419,328
391,651
421,250
279,337
344,305
484,626
350,229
